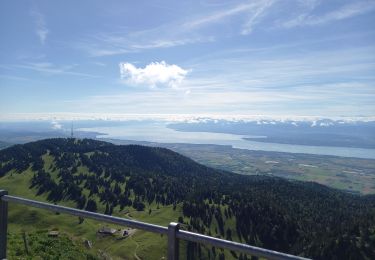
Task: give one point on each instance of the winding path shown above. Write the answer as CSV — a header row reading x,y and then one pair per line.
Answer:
x,y
135,251
131,237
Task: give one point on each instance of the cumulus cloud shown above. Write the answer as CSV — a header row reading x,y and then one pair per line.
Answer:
x,y
155,74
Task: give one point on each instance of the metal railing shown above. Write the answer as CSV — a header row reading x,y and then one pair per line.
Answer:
x,y
173,232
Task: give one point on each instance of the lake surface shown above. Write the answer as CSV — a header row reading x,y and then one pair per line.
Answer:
x,y
159,132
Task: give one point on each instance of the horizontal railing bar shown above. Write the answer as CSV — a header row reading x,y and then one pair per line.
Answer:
x,y
180,234
88,214
251,250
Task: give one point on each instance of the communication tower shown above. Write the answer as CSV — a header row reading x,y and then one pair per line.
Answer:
x,y
71,131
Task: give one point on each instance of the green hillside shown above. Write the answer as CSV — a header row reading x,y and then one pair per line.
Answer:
x,y
158,185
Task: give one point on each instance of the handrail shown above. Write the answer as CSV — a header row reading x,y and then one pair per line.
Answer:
x,y
88,214
173,232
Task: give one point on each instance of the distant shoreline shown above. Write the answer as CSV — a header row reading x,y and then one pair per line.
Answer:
x,y
306,142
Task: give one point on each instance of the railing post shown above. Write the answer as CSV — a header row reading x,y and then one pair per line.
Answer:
x,y
173,245
3,225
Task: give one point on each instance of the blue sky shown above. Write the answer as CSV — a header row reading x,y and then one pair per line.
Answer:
x,y
269,57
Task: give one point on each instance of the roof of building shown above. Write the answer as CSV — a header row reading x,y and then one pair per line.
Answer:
x,y
53,233
107,230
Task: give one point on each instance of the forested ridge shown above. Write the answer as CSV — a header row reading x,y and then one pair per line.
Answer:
x,y
301,218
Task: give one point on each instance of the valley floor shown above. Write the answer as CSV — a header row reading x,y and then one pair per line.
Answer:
x,y
350,174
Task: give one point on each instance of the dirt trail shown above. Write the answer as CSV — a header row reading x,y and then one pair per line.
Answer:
x,y
131,233
135,251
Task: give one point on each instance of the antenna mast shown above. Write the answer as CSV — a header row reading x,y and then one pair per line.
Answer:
x,y
71,131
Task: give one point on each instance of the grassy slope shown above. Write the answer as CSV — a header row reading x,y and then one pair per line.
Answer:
x,y
23,218
143,244
40,246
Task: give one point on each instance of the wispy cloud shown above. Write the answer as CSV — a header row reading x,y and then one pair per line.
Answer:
x,y
321,82
220,15
255,16
41,27
153,75
341,13
108,44
328,99
10,77
171,117
163,43
51,69
238,18
253,11
181,32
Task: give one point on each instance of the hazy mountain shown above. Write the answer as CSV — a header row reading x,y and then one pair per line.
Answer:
x,y
320,132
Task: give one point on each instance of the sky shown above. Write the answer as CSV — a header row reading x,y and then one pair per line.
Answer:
x,y
259,57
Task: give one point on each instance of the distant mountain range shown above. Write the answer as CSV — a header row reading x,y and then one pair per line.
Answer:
x,y
321,132
300,218
315,131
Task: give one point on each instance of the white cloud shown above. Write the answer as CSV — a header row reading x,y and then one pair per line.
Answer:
x,y
56,125
108,44
154,74
186,30
189,118
253,10
256,14
224,20
341,13
166,43
41,28
220,15
51,69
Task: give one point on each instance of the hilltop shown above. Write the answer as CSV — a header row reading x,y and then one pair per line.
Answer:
x,y
301,218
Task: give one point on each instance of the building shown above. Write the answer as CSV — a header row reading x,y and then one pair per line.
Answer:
x,y
107,231
53,233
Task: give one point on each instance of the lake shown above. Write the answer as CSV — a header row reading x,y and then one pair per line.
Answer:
x,y
159,132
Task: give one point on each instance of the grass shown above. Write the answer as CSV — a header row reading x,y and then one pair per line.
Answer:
x,y
40,246
31,220
36,222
